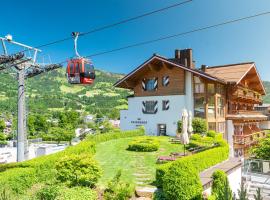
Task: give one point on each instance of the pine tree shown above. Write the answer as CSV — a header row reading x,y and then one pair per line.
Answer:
x,y
242,193
258,195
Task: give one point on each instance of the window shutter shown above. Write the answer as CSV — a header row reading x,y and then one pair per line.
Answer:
x,y
167,105
143,85
165,80
156,107
143,107
156,83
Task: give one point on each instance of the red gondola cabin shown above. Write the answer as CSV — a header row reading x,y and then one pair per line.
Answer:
x,y
80,71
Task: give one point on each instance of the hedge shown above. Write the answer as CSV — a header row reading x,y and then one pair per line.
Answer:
x,y
183,182
41,169
200,161
144,144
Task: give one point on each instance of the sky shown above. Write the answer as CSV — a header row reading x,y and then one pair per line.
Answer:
x,y
37,22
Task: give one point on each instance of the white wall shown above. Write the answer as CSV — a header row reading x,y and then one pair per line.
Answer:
x,y
151,121
234,180
229,135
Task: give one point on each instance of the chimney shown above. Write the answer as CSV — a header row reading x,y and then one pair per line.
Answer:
x,y
184,57
203,68
177,54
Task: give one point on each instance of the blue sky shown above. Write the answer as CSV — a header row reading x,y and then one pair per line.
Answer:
x,y
38,22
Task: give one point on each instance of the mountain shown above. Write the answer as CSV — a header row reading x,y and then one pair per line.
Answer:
x,y
51,92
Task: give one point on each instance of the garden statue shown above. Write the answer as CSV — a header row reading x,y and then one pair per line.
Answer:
x,y
185,138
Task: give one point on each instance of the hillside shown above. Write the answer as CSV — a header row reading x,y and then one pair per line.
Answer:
x,y
267,96
51,92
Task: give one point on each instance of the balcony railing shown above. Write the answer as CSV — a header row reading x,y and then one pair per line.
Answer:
x,y
245,93
248,139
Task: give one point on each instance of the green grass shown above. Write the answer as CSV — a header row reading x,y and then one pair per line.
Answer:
x,y
112,156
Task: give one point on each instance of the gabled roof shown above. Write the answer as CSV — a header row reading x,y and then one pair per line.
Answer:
x,y
121,82
231,72
235,73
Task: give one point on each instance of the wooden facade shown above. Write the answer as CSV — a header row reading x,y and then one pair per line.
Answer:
x,y
243,91
175,75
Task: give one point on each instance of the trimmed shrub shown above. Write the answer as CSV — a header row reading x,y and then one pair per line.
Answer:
x,y
48,192
18,179
78,170
200,161
195,136
211,133
220,188
144,144
116,135
118,190
76,193
182,182
199,125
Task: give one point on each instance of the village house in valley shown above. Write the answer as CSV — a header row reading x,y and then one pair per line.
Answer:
x,y
224,95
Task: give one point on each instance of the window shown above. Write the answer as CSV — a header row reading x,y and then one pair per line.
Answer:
x,y
165,80
71,65
220,89
150,84
150,107
211,88
199,106
88,67
77,69
220,107
198,85
165,105
212,126
211,107
221,127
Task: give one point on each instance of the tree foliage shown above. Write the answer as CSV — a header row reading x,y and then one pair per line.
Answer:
x,y
199,125
261,151
2,125
221,188
242,192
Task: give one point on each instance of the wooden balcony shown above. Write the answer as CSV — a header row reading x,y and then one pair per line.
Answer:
x,y
247,140
246,116
245,94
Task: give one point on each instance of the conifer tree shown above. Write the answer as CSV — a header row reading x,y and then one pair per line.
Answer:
x,y
258,195
242,193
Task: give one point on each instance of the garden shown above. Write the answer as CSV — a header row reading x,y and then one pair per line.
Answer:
x,y
110,165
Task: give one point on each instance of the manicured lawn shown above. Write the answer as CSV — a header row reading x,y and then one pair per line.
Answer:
x,y
137,167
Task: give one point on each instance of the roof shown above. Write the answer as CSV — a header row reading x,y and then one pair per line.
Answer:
x,y
231,72
235,73
167,61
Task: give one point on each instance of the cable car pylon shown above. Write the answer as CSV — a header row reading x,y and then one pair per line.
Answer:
x,y
25,67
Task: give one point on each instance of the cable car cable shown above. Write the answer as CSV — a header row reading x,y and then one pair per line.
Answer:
x,y
117,23
177,34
